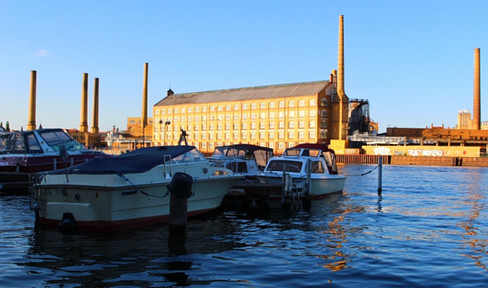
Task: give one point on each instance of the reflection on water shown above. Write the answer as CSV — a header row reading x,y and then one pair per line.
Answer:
x,y
476,203
124,258
427,227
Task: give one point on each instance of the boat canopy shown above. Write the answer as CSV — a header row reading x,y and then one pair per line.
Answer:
x,y
327,153
245,151
136,161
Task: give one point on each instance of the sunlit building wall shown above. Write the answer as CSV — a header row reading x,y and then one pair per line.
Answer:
x,y
278,116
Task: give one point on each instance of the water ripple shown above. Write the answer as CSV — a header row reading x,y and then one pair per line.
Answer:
x,y
429,227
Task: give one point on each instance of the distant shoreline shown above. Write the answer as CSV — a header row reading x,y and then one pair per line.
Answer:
x,y
414,160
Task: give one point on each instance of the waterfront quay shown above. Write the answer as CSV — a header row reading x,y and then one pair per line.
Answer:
x,y
413,160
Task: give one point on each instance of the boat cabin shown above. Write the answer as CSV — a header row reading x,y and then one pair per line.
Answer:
x,y
245,159
319,155
37,141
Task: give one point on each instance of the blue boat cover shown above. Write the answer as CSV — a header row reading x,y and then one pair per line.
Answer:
x,y
136,161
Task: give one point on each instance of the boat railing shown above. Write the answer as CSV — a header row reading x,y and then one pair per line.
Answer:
x,y
167,166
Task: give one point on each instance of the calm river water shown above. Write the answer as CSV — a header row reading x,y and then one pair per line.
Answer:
x,y
428,229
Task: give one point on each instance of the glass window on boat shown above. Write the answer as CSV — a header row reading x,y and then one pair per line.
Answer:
x,y
314,152
317,167
191,156
237,167
288,166
12,143
57,138
262,157
331,163
292,152
34,146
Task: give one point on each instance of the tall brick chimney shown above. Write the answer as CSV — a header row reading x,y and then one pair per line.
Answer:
x,y
94,128
31,121
84,104
476,91
144,97
340,72
340,58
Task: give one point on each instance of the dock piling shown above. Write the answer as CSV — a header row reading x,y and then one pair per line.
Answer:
x,y
180,189
380,174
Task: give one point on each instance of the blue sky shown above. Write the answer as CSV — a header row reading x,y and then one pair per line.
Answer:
x,y
413,60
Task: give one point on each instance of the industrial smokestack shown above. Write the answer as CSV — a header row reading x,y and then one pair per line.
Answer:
x,y
144,97
476,91
340,58
94,128
31,122
84,104
340,72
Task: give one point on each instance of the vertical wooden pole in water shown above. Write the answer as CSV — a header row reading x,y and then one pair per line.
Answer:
x,y
180,188
178,215
380,174
307,198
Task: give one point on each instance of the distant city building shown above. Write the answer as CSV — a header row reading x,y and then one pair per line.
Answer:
x,y
464,120
134,127
277,116
89,140
484,125
359,120
120,142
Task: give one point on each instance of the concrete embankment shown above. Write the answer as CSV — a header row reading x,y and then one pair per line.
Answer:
x,y
414,160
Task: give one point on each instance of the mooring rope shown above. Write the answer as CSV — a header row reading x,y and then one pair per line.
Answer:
x,y
362,174
137,188
152,195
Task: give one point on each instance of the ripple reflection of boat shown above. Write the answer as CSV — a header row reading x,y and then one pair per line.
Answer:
x,y
141,255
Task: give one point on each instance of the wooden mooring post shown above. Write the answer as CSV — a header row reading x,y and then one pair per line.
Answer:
x,y
380,174
180,189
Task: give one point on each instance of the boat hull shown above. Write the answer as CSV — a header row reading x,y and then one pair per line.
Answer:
x,y
323,187
124,206
32,163
270,189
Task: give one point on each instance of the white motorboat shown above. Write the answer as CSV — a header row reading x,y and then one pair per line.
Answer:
x,y
129,190
306,171
245,159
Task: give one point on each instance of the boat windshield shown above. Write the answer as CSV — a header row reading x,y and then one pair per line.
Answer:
x,y
191,156
331,162
262,157
301,152
282,165
12,143
229,152
58,138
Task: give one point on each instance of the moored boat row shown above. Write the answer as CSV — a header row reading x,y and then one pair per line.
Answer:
x,y
302,173
133,189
